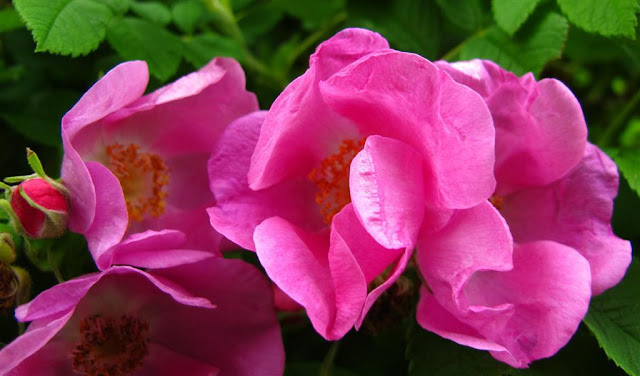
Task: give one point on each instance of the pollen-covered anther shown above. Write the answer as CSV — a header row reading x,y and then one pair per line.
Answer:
x,y
143,176
332,179
110,346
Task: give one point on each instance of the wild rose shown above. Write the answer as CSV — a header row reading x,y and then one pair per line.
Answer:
x,y
134,163
331,187
207,317
555,191
41,208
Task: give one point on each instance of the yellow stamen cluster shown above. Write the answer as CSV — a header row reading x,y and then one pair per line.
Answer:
x,y
143,176
332,179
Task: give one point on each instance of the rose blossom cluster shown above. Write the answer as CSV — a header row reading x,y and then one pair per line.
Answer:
x,y
371,164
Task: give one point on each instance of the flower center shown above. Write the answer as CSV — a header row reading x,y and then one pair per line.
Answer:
x,y
110,346
143,176
332,179
496,201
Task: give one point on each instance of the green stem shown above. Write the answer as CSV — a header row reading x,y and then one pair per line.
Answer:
x,y
327,363
614,128
54,266
456,50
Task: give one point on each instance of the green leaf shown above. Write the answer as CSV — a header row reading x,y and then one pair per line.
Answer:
x,y
608,18
630,138
39,119
466,14
259,20
628,161
139,39
409,25
510,15
187,14
152,11
119,7
614,318
9,20
542,42
199,50
312,13
68,27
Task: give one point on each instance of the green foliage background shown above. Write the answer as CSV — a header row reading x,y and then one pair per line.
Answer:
x,y
51,51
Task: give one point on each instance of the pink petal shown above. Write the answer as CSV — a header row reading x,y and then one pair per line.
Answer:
x,y
242,335
540,128
405,97
239,209
111,219
163,361
531,311
298,263
474,239
386,187
58,299
187,116
117,88
152,249
76,178
194,223
299,113
576,211
372,258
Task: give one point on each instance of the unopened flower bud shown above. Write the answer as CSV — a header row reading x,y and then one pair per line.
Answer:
x,y
7,248
41,208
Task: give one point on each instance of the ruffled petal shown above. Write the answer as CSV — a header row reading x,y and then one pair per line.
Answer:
x,y
239,209
387,193
405,97
298,263
540,128
520,315
186,116
474,239
576,211
117,88
299,113
152,249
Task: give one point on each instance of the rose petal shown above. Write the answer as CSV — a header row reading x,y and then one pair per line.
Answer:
x,y
299,113
576,211
386,187
405,97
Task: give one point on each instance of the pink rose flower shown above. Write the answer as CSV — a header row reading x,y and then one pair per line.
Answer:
x,y
134,163
555,191
332,185
207,317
